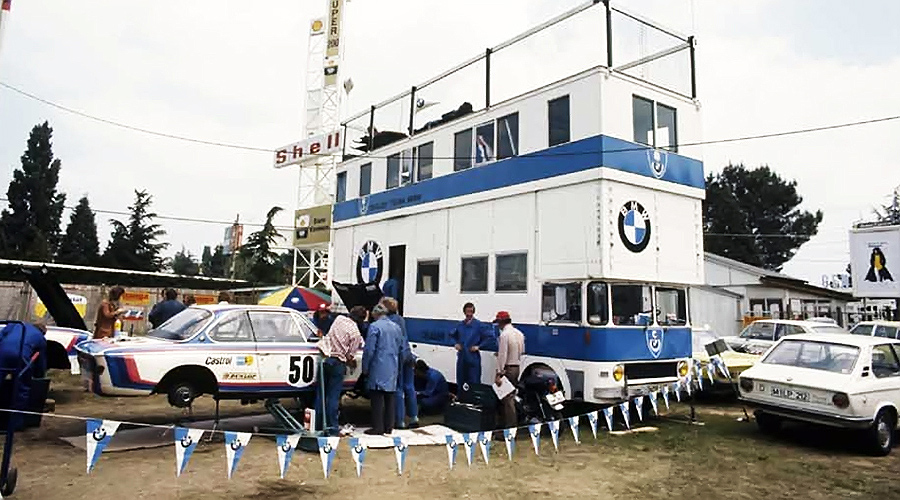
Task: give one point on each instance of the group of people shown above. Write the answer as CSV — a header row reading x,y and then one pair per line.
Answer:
x,y
110,312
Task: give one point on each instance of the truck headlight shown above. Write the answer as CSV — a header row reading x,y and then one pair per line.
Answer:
x,y
618,373
683,368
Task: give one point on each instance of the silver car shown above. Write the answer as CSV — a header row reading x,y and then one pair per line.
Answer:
x,y
760,335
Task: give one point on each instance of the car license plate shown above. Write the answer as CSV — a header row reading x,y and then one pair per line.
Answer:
x,y
555,398
781,392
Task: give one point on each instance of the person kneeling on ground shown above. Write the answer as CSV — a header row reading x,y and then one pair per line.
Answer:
x,y
434,393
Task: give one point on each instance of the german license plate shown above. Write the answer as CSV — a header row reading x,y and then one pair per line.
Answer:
x,y
781,392
556,398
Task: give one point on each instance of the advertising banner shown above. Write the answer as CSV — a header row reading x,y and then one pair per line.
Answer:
x,y
312,226
874,258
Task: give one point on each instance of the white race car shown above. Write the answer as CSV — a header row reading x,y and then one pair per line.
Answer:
x,y
228,351
850,381
61,342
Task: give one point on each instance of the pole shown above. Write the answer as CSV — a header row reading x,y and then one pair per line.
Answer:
x,y
487,78
691,42
5,6
609,38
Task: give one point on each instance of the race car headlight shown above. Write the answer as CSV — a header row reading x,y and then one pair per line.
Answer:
x,y
746,384
618,373
683,368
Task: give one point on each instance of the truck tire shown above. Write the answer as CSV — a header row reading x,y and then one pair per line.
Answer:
x,y
182,394
881,435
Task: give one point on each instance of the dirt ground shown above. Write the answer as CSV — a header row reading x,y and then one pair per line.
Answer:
x,y
722,459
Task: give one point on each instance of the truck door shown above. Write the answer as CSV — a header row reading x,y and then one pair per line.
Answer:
x,y
397,271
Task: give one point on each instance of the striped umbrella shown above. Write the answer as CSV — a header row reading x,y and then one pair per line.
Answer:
x,y
296,297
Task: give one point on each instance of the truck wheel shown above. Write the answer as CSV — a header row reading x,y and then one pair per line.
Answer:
x,y
881,435
769,424
182,394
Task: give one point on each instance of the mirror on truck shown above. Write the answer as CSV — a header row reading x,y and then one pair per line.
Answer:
x,y
562,307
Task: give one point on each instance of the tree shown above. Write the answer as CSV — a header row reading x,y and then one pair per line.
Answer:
x,y
752,216
134,245
184,263
215,264
889,214
80,245
261,263
30,227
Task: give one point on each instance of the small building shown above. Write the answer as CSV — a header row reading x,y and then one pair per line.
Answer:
x,y
755,293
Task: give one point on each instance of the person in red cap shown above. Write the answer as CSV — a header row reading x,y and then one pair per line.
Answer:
x,y
510,350
323,319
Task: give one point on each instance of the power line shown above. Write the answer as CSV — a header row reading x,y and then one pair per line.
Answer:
x,y
532,155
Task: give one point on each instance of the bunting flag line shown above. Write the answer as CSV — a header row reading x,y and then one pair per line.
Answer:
x,y
687,384
509,435
327,450
484,442
534,430
98,434
573,424
594,419
653,402
451,449
469,446
626,414
639,406
553,425
400,450
711,371
286,447
698,373
678,391
235,442
185,442
358,451
665,393
608,415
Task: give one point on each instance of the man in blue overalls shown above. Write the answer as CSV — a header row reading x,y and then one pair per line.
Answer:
x,y
470,335
11,358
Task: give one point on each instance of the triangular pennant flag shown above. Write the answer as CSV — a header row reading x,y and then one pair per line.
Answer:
x,y
470,447
608,415
509,435
553,425
451,449
626,414
185,442
484,442
653,403
594,419
400,449
639,406
711,371
99,432
327,450
573,424
534,430
235,442
687,385
358,451
665,393
720,365
699,377
286,447
678,391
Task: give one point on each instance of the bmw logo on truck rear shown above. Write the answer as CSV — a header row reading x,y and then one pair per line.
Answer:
x,y
634,226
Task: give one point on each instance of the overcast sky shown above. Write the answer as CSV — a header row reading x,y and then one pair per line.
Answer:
x,y
234,72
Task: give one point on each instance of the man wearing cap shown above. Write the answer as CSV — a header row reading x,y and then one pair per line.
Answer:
x,y
470,335
323,318
510,351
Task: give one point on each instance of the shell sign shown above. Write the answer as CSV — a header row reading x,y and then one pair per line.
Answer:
x,y
79,301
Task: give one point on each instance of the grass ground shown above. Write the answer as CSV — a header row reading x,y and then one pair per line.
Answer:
x,y
722,459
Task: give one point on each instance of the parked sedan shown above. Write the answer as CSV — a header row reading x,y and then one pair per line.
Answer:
x,y
886,329
760,335
849,381
228,351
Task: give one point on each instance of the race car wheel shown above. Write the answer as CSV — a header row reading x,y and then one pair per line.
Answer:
x,y
182,395
881,435
8,487
769,424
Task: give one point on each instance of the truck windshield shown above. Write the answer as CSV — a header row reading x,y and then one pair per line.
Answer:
x,y
671,306
598,303
631,305
182,326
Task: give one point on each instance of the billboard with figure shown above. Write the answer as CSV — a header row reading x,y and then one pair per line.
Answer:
x,y
874,258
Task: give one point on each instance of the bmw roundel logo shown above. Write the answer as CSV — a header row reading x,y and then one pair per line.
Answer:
x,y
369,263
634,226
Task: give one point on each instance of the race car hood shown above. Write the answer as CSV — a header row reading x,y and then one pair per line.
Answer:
x,y
102,346
353,295
54,298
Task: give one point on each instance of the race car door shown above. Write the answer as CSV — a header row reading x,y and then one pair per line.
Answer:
x,y
287,361
231,356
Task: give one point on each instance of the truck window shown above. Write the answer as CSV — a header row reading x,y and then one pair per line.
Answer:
x,y
671,306
474,274
561,302
427,276
631,305
598,303
512,272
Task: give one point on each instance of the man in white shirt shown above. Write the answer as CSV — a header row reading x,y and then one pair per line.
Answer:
x,y
510,351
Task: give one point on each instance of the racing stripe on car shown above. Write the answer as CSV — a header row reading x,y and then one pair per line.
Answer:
x,y
123,373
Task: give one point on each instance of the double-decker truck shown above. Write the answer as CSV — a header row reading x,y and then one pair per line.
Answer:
x,y
570,206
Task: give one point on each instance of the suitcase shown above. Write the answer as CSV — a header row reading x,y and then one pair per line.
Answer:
x,y
463,417
480,395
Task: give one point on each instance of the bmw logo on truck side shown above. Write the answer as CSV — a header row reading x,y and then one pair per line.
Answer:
x,y
634,226
369,263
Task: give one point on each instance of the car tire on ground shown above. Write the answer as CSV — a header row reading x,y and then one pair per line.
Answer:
x,y
768,423
881,435
182,394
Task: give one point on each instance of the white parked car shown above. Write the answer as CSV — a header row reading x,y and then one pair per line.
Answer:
x,y
849,381
885,329
760,335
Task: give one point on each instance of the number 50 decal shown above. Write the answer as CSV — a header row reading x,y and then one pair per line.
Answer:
x,y
302,370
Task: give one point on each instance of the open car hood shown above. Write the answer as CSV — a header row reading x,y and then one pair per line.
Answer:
x,y
358,294
55,299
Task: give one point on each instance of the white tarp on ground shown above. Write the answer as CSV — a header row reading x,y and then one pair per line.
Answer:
x,y
423,436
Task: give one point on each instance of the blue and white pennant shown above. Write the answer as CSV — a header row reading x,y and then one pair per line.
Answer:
x,y
534,430
553,425
235,442
400,451
358,452
594,420
186,441
99,433
327,450
573,424
286,447
509,436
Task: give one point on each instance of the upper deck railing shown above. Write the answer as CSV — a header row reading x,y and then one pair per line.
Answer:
x,y
595,33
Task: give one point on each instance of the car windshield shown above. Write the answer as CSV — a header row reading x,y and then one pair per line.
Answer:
x,y
836,358
182,326
862,330
759,330
828,329
700,338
